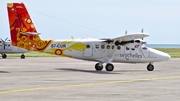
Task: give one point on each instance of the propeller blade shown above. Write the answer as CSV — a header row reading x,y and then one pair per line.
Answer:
x,y
142,30
126,32
6,39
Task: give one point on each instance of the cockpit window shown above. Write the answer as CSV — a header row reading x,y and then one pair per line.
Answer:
x,y
144,48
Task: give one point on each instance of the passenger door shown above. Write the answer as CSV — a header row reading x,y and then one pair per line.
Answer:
x,y
88,50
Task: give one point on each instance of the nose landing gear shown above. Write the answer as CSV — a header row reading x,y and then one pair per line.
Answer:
x,y
150,67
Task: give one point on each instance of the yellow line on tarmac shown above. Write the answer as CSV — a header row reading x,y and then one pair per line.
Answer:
x,y
88,84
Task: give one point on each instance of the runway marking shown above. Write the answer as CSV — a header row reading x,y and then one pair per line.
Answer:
x,y
88,84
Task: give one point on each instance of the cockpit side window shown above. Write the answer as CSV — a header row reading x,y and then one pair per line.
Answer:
x,y
118,47
127,48
144,48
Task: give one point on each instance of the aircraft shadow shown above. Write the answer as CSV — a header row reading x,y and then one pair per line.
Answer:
x,y
4,72
87,71
134,70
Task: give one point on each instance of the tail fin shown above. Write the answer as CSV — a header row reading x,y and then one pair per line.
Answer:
x,y
22,30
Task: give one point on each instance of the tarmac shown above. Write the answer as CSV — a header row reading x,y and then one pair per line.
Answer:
x,y
66,79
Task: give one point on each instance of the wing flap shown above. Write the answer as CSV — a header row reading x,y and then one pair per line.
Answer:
x,y
30,33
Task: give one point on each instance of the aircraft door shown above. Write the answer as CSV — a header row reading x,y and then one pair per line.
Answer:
x,y
88,50
145,52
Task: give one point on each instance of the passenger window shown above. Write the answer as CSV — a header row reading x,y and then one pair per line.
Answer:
x,y
133,49
108,46
118,47
97,46
88,46
102,46
112,47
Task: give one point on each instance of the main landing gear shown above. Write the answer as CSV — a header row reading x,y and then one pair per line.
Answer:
x,y
109,67
4,55
22,56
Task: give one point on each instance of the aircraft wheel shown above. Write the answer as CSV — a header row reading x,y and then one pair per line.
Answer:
x,y
109,67
4,56
98,68
22,56
150,67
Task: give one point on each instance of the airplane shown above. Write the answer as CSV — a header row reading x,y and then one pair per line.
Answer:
x,y
128,48
7,48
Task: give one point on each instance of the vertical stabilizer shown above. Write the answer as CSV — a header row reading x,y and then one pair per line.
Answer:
x,y
22,30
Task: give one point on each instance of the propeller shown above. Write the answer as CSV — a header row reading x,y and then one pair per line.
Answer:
x,y
125,32
4,42
142,30
108,40
6,39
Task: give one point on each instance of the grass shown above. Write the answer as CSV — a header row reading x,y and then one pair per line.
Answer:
x,y
32,54
174,52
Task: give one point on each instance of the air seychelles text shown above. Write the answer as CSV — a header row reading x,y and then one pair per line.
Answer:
x,y
58,45
136,55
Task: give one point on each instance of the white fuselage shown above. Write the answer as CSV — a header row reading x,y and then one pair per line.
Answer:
x,y
97,50
7,47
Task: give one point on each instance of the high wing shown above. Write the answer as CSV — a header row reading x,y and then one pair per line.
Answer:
x,y
129,37
130,41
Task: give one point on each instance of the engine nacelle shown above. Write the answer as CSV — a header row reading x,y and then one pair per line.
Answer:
x,y
136,43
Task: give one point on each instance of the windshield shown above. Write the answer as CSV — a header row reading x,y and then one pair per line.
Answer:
x,y
144,46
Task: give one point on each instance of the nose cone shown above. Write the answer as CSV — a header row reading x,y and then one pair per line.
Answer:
x,y
166,56
160,56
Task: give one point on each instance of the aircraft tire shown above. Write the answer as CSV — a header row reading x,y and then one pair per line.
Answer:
x,y
4,56
109,67
150,67
22,56
98,68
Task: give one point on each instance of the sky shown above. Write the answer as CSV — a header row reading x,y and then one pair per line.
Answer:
x,y
61,19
